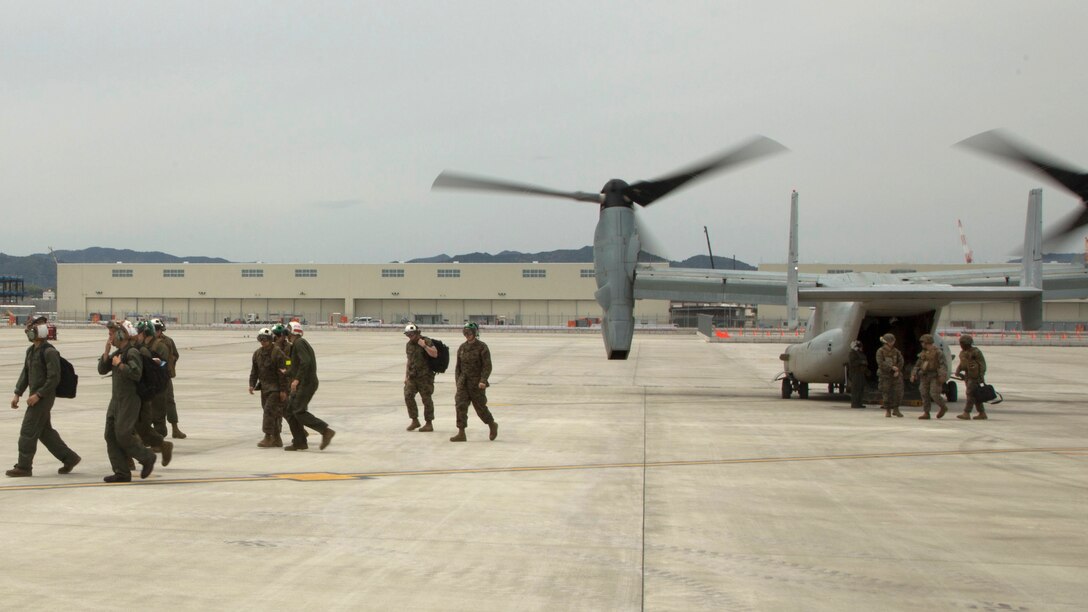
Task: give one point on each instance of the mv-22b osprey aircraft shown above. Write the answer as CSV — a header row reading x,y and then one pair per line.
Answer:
x,y
847,306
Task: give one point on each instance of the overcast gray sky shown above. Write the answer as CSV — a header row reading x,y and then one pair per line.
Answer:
x,y
216,127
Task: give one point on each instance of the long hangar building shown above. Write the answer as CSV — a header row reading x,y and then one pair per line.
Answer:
x,y
489,293
554,294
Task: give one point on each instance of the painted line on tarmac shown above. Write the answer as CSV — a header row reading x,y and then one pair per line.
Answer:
x,y
329,476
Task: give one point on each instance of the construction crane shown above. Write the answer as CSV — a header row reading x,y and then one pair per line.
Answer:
x,y
968,256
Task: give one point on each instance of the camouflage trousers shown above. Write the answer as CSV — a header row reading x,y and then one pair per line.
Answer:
x,y
424,386
970,394
272,406
891,392
932,390
478,398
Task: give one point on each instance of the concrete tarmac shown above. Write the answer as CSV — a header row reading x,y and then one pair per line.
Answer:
x,y
675,480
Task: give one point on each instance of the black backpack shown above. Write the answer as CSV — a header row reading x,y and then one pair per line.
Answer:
x,y
154,378
69,380
440,363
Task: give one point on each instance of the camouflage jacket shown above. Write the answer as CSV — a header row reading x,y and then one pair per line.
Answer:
x,y
473,364
931,362
972,364
172,354
418,366
888,357
269,368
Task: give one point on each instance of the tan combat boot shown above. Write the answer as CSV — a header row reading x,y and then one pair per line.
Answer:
x,y
460,437
966,416
896,412
925,416
266,442
981,416
427,427
494,426
414,425
277,441
940,413
888,412
176,433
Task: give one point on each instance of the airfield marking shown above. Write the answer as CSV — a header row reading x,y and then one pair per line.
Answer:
x,y
327,476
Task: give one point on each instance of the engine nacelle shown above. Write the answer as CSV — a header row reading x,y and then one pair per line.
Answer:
x,y
615,252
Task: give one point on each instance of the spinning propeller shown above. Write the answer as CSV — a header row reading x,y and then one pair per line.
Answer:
x,y
617,240
1076,182
617,192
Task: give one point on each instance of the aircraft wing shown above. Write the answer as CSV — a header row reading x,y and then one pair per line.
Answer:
x,y
1060,281
927,292
705,285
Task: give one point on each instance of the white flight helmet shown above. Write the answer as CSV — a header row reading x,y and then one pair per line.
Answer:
x,y
410,329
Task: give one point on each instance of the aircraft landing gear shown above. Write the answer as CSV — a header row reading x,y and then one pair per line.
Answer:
x,y
791,384
950,391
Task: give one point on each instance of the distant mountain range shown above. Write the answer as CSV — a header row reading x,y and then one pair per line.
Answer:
x,y
582,255
38,271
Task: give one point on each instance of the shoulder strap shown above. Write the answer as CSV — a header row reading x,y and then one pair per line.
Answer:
x,y
46,346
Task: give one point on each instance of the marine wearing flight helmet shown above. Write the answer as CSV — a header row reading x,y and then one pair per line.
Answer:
x,y
171,412
472,372
156,350
931,372
972,367
125,367
302,372
41,375
418,377
857,368
889,368
269,375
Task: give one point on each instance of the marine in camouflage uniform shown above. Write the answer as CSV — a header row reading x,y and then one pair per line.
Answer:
x,y
171,411
418,377
972,367
269,375
931,372
472,372
125,367
302,371
40,374
889,368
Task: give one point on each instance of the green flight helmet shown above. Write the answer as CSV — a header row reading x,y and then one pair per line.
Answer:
x,y
472,327
279,330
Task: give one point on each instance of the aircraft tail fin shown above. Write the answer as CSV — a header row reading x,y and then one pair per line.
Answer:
x,y
791,266
1031,308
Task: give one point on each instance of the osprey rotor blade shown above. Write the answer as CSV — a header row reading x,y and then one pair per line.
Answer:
x,y
451,180
999,145
648,192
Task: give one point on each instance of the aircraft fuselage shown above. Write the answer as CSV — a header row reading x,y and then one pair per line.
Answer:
x,y
822,356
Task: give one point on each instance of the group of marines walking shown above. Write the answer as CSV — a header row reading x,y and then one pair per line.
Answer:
x,y
930,371
284,371
135,426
